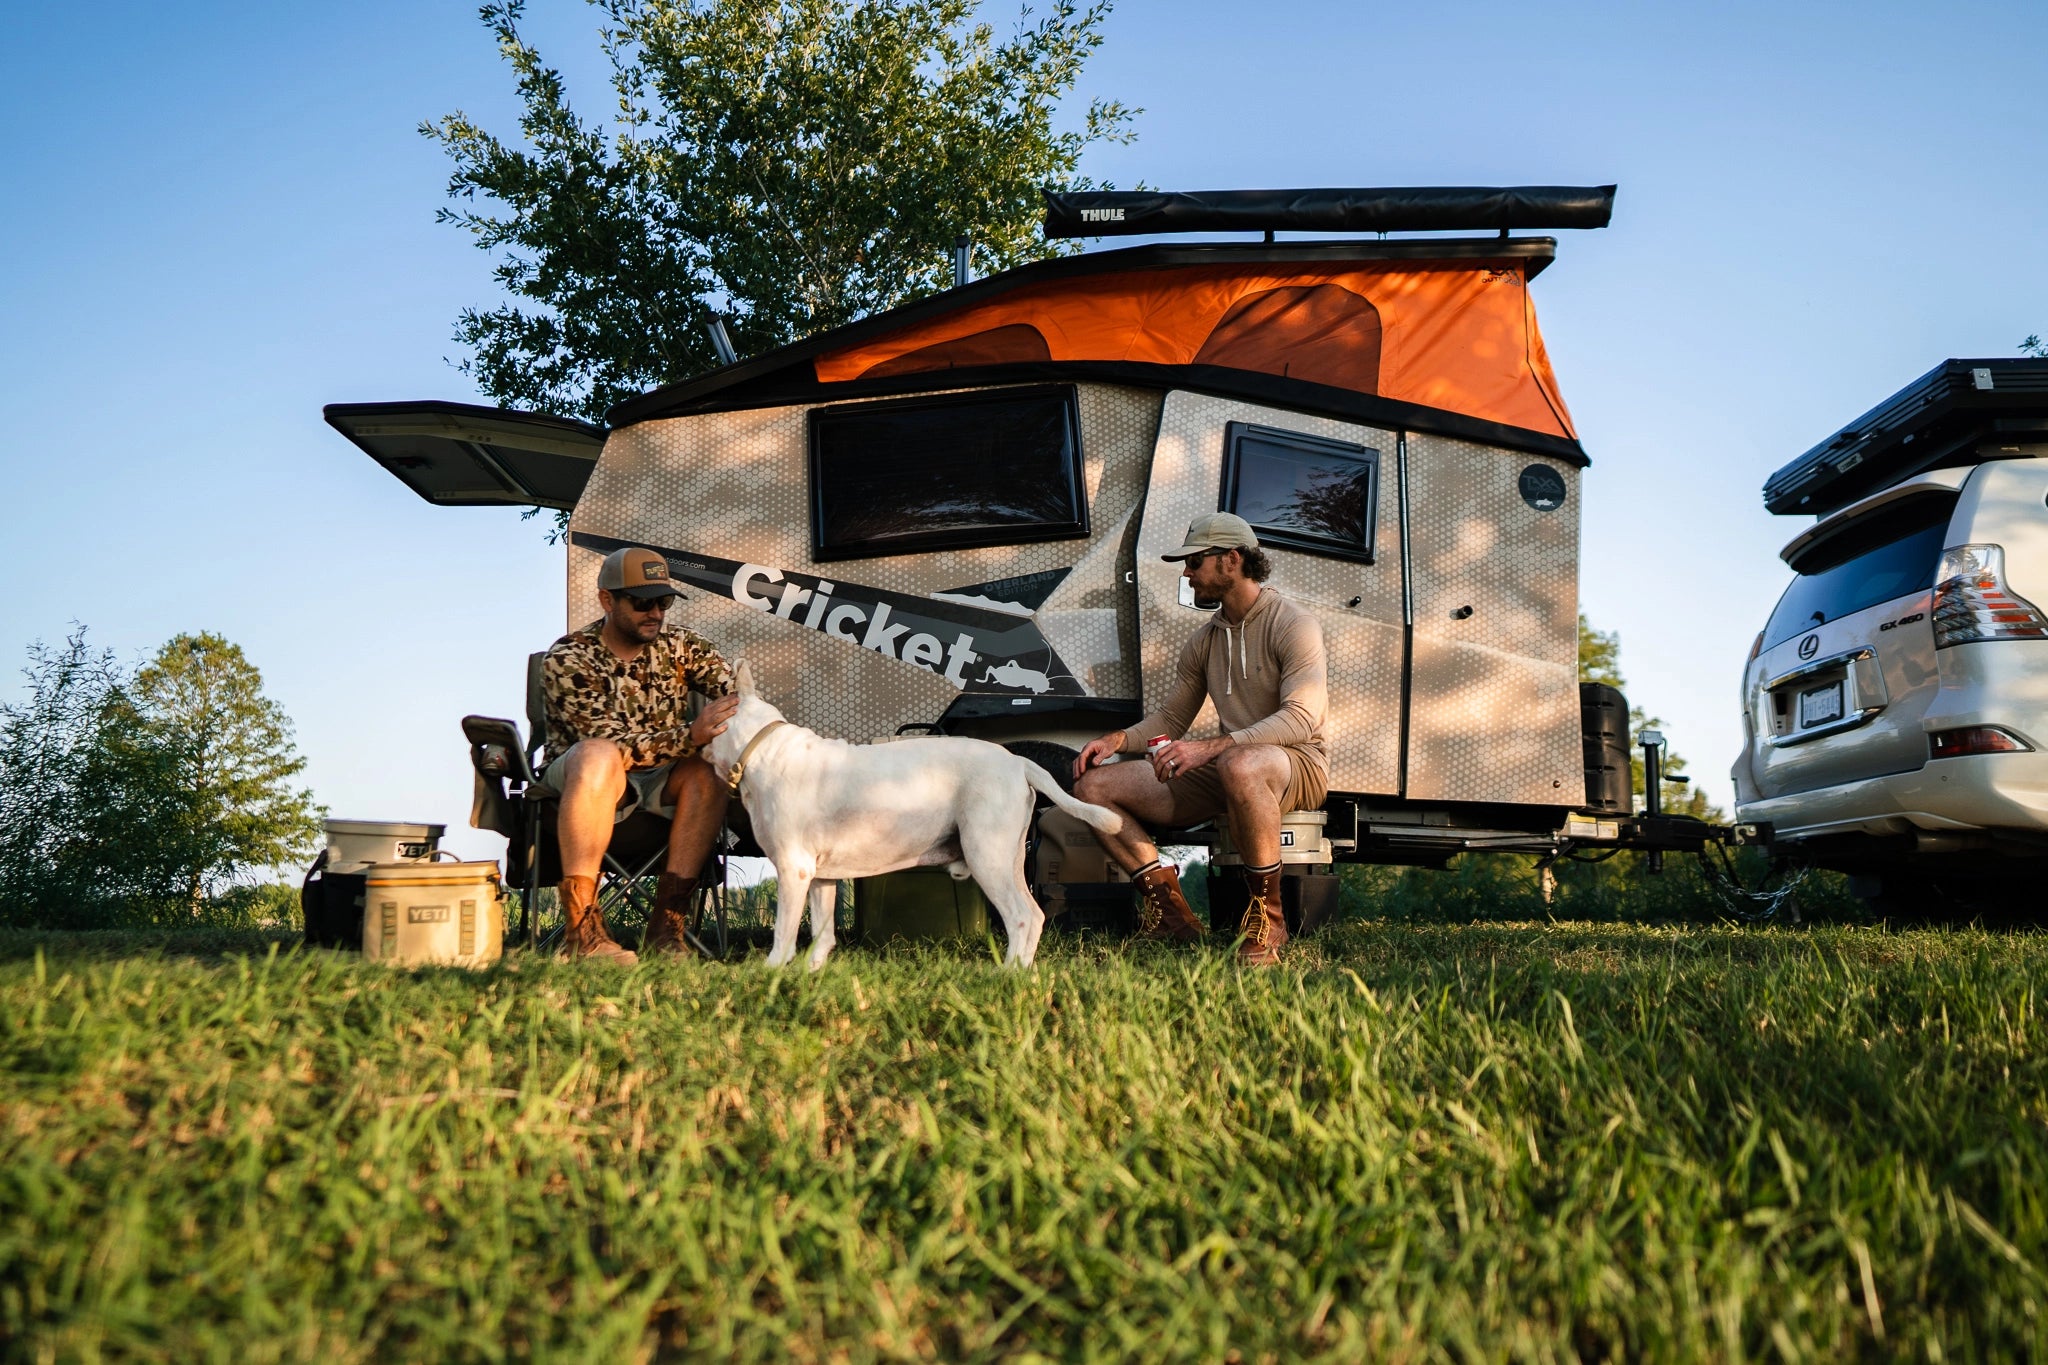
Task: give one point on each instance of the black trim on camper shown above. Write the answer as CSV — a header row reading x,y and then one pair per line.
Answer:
x,y
1218,381
1328,505
990,467
1945,418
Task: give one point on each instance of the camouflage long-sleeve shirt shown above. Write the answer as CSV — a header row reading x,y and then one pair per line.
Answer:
x,y
640,706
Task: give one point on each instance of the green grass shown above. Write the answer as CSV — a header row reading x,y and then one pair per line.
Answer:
x,y
1414,1141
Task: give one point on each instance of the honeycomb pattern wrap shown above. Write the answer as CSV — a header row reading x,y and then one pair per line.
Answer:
x,y
736,485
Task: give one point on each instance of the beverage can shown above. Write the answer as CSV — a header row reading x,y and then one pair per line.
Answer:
x,y
1156,743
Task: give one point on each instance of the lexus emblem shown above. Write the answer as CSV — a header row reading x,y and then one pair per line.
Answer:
x,y
1809,647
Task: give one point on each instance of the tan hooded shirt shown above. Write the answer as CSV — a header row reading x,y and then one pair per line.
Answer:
x,y
1268,676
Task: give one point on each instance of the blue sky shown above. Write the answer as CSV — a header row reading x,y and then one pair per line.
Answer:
x,y
215,218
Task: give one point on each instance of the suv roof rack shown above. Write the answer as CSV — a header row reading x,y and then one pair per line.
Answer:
x,y
1958,413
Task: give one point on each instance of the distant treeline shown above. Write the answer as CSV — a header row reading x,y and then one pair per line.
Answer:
x,y
162,794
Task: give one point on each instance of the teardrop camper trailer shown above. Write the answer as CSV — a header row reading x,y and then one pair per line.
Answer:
x,y
950,516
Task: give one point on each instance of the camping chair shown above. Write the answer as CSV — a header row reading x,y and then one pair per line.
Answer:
x,y
513,800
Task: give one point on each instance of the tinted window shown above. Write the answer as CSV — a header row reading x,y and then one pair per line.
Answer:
x,y
996,468
1892,554
1302,492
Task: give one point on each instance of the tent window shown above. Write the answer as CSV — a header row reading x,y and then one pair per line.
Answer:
x,y
1322,333
1302,492
1001,467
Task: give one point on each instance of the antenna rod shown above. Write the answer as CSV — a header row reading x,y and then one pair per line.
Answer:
x,y
963,260
721,342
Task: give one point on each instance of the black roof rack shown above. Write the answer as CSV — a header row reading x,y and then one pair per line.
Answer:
x,y
1944,418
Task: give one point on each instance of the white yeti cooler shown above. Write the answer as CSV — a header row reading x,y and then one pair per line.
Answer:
x,y
433,914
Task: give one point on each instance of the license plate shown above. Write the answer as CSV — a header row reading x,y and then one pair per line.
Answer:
x,y
1819,705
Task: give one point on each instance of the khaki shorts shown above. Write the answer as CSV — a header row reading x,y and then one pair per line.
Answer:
x,y
1198,795
646,789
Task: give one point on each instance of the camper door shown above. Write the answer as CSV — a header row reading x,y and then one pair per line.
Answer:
x,y
1320,493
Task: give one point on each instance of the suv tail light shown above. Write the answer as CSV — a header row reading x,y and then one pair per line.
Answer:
x,y
1971,601
1976,739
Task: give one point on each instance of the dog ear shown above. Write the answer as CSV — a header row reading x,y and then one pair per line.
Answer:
x,y
743,679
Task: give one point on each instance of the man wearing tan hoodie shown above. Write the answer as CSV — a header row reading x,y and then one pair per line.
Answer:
x,y
1261,661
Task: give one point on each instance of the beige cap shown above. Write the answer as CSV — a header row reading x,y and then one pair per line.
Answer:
x,y
636,573
1216,531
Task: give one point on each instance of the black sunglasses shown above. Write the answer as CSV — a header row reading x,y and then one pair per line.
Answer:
x,y
648,603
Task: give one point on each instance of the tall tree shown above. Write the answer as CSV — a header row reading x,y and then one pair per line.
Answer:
x,y
2034,346
792,164
47,742
198,707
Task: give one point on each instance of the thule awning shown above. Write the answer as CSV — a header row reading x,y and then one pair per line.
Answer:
x,y
463,455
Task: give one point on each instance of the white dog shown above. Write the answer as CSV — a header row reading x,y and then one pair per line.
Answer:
x,y
823,809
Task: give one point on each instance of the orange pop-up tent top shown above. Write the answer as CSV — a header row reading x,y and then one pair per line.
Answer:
x,y
1456,336
1434,334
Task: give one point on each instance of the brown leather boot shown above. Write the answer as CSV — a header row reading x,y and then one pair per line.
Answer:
x,y
1263,931
669,917
1163,912
586,936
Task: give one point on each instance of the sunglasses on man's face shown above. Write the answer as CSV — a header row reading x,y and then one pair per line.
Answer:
x,y
649,604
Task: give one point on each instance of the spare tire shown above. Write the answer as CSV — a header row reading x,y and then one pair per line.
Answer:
x,y
1056,759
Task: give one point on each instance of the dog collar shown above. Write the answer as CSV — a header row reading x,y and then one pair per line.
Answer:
x,y
739,769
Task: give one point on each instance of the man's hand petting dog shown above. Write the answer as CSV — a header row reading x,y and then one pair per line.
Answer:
x,y
1099,750
713,719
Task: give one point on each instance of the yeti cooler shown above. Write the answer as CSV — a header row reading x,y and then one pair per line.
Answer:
x,y
354,844
432,914
331,897
917,903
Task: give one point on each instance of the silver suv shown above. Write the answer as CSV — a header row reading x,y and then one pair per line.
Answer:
x,y
1896,703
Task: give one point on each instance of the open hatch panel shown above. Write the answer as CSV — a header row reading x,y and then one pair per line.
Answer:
x,y
465,455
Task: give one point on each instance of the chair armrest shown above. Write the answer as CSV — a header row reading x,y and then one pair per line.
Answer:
x,y
496,749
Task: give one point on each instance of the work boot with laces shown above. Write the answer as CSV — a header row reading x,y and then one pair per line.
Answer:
x,y
670,917
1163,912
586,936
1263,931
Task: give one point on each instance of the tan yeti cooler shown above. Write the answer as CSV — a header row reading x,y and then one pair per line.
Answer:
x,y
433,914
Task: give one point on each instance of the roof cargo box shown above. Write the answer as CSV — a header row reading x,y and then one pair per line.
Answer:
x,y
1961,412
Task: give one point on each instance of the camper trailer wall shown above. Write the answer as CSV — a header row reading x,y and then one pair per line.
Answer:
x,y
856,648
1474,546
1494,714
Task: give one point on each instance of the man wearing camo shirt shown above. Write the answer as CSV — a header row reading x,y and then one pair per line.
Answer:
x,y
616,693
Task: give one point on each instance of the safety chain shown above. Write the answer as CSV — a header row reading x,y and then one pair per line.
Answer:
x,y
1754,907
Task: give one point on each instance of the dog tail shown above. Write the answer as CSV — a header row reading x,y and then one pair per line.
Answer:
x,y
1101,817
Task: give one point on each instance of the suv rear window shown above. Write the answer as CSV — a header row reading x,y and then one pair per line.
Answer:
x,y
1891,554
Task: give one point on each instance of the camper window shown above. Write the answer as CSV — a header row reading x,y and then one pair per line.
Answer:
x,y
1302,492
996,467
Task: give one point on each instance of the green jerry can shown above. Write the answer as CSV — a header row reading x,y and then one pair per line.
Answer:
x,y
917,903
